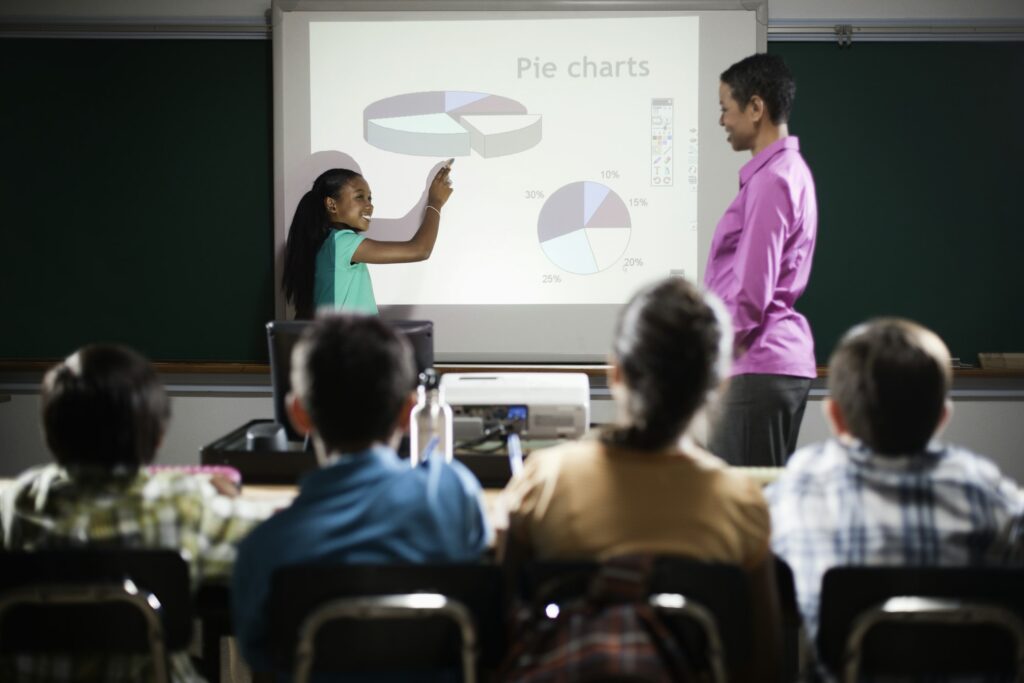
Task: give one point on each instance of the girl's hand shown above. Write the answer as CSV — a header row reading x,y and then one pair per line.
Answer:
x,y
440,188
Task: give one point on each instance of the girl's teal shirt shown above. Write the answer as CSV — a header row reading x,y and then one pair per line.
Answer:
x,y
339,283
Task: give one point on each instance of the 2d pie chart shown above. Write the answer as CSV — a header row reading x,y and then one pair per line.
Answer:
x,y
584,227
450,123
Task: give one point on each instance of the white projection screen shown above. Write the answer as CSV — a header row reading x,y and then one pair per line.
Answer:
x,y
588,156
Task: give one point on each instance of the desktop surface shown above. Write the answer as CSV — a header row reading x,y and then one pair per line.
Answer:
x,y
286,467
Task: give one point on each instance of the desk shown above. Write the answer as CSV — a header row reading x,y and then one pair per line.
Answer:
x,y
273,497
276,497
276,467
270,471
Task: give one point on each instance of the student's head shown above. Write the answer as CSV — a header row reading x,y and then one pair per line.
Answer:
x,y
104,409
671,349
337,196
754,91
352,381
888,382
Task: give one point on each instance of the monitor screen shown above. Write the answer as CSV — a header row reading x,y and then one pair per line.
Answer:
x,y
283,334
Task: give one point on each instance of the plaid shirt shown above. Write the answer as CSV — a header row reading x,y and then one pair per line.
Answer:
x,y
839,504
45,508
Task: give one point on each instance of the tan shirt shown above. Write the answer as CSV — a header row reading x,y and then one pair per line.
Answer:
x,y
590,500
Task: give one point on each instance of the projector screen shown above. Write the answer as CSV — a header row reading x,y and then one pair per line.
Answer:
x,y
588,156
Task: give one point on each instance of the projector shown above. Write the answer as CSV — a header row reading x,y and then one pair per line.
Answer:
x,y
536,405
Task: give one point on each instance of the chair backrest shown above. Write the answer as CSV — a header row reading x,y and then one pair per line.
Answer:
x,y
723,590
41,621
922,645
281,338
374,643
789,612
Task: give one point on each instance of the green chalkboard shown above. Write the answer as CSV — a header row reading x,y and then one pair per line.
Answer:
x,y
136,194
916,150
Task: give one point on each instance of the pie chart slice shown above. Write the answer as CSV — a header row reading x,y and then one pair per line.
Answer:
x,y
450,123
481,103
571,252
497,135
593,195
608,244
612,213
584,227
562,213
410,104
419,134
455,99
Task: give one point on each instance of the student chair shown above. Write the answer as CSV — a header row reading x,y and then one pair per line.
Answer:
x,y
386,618
914,621
794,651
86,601
706,605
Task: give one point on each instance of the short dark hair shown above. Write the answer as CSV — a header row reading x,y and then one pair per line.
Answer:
x,y
890,378
766,76
668,345
352,374
104,408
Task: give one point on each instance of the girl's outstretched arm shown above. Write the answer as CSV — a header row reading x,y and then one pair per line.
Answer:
x,y
419,247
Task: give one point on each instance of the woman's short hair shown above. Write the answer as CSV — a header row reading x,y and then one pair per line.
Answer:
x,y
672,345
104,408
764,75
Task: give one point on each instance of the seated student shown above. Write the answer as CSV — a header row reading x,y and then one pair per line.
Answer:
x,y
104,413
353,380
882,491
643,486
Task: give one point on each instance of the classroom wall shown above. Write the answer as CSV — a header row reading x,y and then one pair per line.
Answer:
x,y
196,420
929,10
778,10
989,423
986,420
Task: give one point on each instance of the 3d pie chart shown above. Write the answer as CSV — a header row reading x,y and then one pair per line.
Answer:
x,y
450,123
584,227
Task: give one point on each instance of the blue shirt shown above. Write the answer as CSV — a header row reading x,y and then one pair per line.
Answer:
x,y
839,504
339,283
366,508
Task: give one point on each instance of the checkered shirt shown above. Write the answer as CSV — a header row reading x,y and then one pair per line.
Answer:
x,y
45,508
839,504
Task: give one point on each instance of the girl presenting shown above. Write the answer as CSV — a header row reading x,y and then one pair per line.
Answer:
x,y
326,253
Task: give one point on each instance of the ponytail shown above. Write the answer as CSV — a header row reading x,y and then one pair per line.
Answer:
x,y
656,420
667,346
307,233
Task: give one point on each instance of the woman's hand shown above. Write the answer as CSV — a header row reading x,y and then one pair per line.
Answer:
x,y
440,188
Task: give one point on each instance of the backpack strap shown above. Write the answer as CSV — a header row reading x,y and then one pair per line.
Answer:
x,y
626,578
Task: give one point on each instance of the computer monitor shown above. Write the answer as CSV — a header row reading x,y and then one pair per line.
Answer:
x,y
283,334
